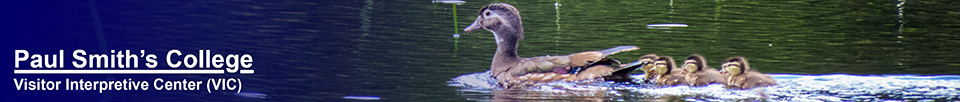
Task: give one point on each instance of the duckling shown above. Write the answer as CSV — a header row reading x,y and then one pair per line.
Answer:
x,y
739,75
698,73
644,64
667,72
512,71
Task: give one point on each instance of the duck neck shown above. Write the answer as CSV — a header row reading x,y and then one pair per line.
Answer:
x,y
507,40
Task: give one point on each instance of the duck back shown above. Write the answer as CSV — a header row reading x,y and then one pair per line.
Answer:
x,y
704,77
750,79
672,79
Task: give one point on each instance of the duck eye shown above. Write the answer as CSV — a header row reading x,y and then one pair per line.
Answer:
x,y
487,13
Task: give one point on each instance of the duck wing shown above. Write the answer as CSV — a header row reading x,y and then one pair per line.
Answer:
x,y
573,67
705,77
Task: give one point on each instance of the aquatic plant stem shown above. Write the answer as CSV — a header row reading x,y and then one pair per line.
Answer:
x,y
456,40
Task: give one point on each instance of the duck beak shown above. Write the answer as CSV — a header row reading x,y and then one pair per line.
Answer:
x,y
474,26
723,71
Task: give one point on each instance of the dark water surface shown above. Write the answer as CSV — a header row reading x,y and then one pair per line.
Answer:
x,y
888,41
405,50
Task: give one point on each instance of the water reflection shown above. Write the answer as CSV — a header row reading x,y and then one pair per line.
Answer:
x,y
458,2
664,26
835,87
257,95
401,50
812,37
523,95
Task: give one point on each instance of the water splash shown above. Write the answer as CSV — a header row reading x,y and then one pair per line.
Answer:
x,y
869,88
475,81
792,87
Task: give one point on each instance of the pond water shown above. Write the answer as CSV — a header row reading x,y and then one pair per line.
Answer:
x,y
792,87
820,50
403,50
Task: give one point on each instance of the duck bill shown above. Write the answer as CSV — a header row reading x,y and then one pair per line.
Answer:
x,y
474,26
723,71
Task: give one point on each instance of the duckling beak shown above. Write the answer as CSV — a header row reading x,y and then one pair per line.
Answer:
x,y
474,26
723,71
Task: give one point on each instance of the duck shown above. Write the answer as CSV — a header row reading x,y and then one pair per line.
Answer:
x,y
739,76
698,73
667,72
514,72
644,64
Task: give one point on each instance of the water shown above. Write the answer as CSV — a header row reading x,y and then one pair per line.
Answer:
x,y
792,87
867,42
392,50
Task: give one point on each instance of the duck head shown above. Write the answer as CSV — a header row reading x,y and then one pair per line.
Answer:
x,y
694,63
735,66
500,18
647,59
663,65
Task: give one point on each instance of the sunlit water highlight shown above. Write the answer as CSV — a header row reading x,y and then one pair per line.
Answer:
x,y
792,87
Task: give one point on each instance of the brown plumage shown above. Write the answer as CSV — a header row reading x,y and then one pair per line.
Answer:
x,y
511,71
739,75
698,73
667,72
644,63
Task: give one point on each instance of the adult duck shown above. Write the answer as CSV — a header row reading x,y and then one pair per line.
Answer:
x,y
512,71
698,73
739,75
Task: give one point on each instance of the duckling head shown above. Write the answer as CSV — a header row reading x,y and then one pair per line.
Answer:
x,y
735,66
694,63
500,18
647,58
663,65
644,63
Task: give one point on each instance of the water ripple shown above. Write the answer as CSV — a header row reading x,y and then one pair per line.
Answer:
x,y
792,87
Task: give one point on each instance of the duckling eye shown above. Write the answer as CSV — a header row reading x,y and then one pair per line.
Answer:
x,y
732,65
486,13
727,64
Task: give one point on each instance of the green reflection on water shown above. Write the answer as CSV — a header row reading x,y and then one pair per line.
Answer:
x,y
808,37
408,48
